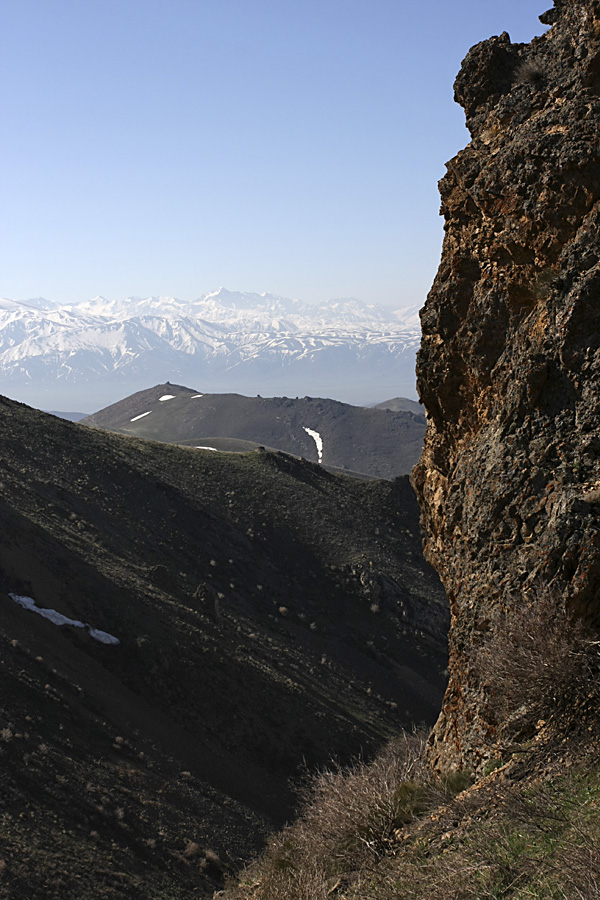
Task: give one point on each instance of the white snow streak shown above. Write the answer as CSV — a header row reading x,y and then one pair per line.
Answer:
x,y
103,636
318,441
141,416
58,619
166,397
207,448
195,396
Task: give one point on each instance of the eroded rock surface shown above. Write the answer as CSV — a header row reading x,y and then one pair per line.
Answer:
x,y
509,368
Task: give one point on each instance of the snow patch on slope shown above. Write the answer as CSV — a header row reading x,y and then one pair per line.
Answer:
x,y
318,441
58,619
141,416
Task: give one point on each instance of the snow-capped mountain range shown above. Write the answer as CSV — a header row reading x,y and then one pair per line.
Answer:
x,y
89,354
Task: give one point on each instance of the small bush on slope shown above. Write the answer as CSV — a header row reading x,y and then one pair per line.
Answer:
x,y
538,839
538,661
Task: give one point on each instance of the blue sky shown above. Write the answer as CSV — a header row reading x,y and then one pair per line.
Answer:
x,y
173,146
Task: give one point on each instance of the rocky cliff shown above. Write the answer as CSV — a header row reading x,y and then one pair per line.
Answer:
x,y
509,368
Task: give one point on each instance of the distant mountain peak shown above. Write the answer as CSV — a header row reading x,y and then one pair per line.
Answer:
x,y
91,352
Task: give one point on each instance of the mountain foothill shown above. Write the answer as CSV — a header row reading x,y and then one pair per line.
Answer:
x,y
184,632
379,442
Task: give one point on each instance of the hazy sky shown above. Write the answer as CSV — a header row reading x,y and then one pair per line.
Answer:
x,y
173,146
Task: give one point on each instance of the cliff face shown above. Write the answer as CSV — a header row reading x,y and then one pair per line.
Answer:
x,y
509,367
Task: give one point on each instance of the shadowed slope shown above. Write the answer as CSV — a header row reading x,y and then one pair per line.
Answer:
x,y
267,611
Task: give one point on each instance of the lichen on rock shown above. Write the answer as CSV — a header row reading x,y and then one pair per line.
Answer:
x,y
509,366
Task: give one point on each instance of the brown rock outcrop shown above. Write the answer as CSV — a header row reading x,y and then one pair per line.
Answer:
x,y
509,367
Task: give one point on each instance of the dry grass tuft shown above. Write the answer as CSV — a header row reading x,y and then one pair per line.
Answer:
x,y
531,73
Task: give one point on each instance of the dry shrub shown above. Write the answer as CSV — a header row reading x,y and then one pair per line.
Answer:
x,y
348,823
539,660
355,811
545,841
582,880
536,841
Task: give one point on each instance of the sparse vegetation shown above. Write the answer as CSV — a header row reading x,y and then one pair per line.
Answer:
x,y
528,830
530,72
350,821
532,841
538,661
392,831
189,731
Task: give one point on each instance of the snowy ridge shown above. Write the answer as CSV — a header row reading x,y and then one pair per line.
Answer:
x,y
229,336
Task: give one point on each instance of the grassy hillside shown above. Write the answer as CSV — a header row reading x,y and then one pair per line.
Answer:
x,y
269,614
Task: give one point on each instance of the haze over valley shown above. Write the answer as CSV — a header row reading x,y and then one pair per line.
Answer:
x,y
87,355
